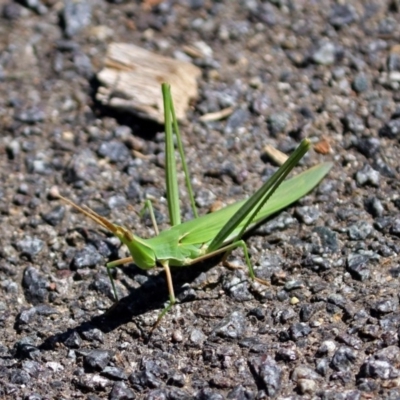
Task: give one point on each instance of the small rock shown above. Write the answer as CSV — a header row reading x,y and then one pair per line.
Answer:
x,y
114,373
286,354
55,216
383,307
391,129
236,120
308,214
374,206
205,198
72,339
322,366
197,336
232,326
35,286
353,123
76,15
277,123
306,312
19,377
306,386
269,372
299,330
360,83
368,175
93,383
342,15
357,265
378,369
304,372
328,239
86,258
393,62
115,151
30,247
360,230
121,391
96,360
30,116
11,11
325,54
368,146
13,149
343,359
83,65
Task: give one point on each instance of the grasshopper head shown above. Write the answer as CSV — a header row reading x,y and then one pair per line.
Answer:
x,y
142,254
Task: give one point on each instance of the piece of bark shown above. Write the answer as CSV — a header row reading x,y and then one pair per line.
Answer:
x,y
131,81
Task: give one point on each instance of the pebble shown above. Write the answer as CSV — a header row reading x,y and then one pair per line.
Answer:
x,y
72,339
36,5
55,216
308,214
261,104
342,15
343,359
31,116
383,307
93,383
75,15
286,354
357,265
11,11
277,123
197,337
360,230
368,175
26,316
35,286
115,151
391,129
239,291
134,192
96,360
236,120
13,149
93,334
83,65
19,377
281,222
370,147
306,386
204,198
328,239
232,326
353,123
269,372
325,54
304,372
360,83
306,312
86,258
121,391
322,366
287,315
30,246
299,330
393,62
378,369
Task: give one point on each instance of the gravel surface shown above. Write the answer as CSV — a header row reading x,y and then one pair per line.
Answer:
x,y
327,326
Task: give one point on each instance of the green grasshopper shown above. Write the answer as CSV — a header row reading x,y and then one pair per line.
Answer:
x,y
213,234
